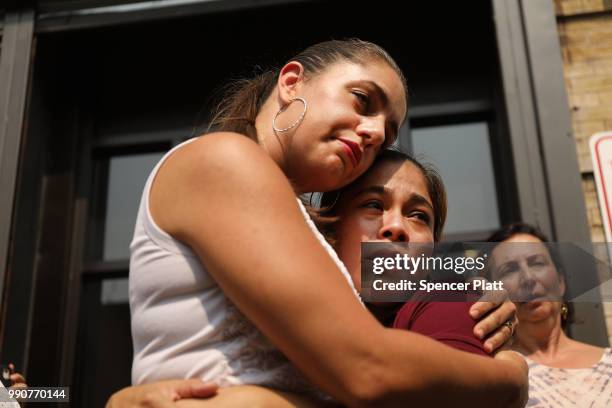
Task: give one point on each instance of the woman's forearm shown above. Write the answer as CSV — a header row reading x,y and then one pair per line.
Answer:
x,y
252,396
407,367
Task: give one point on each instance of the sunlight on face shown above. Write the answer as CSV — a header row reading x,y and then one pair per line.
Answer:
x,y
390,204
353,111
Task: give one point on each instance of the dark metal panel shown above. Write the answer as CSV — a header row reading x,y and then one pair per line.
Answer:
x,y
450,108
73,290
15,60
548,178
520,111
145,11
45,6
558,145
567,206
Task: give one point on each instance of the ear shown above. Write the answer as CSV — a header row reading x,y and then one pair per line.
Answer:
x,y
289,81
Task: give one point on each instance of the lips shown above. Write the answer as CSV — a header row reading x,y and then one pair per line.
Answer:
x,y
353,151
534,297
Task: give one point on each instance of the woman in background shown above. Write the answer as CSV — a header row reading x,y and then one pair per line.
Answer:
x,y
562,372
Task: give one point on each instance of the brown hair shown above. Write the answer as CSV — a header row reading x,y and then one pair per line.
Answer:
x,y
328,216
242,99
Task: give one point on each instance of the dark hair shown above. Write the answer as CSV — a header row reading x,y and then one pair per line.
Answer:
x,y
510,230
242,99
435,188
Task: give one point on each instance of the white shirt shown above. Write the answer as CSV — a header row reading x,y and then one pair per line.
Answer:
x,y
183,325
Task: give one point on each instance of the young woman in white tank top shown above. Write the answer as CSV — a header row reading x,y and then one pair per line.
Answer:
x,y
229,281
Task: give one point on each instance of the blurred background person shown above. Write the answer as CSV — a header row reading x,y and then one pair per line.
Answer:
x,y
562,372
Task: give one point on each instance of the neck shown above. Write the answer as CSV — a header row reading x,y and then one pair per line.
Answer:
x,y
269,140
543,339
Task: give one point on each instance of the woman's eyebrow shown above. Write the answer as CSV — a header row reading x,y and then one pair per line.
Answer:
x,y
535,257
382,95
376,189
384,99
417,199
507,264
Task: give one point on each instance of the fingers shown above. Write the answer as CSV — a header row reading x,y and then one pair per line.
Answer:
x,y
489,301
162,394
501,339
17,378
149,399
495,319
194,388
497,309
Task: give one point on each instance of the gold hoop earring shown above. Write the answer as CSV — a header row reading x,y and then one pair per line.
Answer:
x,y
294,124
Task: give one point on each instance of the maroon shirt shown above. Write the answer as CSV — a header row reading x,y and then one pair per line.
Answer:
x,y
447,322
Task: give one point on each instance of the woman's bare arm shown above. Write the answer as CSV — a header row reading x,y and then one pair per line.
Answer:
x,y
251,396
225,198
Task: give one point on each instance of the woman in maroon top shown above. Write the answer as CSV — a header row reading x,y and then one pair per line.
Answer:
x,y
400,200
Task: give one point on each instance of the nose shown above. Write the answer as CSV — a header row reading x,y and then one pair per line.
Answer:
x,y
394,228
528,279
372,130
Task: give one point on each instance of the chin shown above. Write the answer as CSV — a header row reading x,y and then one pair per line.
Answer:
x,y
536,310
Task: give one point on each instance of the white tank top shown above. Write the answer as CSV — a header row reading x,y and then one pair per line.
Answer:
x,y
183,325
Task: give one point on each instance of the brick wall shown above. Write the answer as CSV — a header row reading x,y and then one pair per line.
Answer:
x,y
585,33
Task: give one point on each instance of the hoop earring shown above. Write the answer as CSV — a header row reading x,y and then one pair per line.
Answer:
x,y
294,124
329,207
335,201
564,311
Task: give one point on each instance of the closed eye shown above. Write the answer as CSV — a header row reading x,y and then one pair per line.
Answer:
x,y
374,204
508,268
422,216
363,99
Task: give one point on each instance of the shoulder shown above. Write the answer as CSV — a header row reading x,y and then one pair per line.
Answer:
x,y
215,171
581,348
221,146
225,140
222,157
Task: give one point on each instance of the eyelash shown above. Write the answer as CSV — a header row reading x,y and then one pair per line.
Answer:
x,y
378,206
373,204
363,99
423,217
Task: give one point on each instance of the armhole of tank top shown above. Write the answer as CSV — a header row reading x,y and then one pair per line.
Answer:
x,y
154,231
328,248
